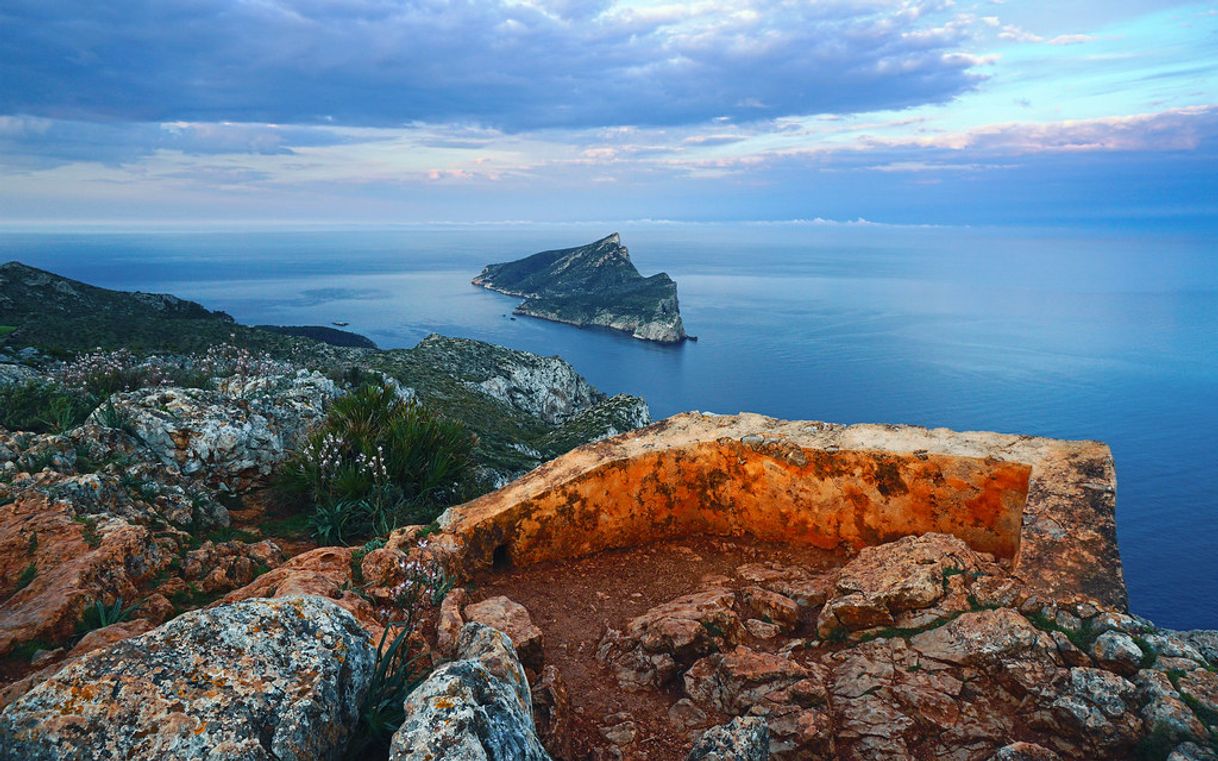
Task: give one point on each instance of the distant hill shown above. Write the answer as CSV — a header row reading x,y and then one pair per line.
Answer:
x,y
332,336
64,316
592,285
525,409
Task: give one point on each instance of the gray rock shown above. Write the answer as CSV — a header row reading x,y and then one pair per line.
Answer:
x,y
1117,652
472,709
1192,752
1204,640
232,437
1098,706
11,373
263,680
746,738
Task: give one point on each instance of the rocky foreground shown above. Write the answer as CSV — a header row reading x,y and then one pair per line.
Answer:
x,y
707,587
591,286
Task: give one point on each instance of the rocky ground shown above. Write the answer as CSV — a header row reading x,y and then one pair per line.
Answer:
x,y
916,649
149,524
154,603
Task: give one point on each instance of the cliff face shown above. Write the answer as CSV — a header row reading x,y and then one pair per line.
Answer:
x,y
595,285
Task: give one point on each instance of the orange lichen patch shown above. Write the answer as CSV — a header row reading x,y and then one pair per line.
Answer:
x,y
823,499
811,484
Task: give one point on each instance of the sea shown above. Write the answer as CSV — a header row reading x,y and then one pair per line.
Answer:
x,y
1109,335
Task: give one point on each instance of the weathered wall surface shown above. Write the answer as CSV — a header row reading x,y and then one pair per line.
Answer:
x,y
1047,505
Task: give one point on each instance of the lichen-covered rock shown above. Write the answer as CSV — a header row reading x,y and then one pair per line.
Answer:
x,y
474,708
552,713
1116,651
231,437
261,680
53,564
1098,708
1024,751
450,621
105,471
746,738
734,682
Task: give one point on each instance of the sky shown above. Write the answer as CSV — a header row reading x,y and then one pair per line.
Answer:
x,y
987,112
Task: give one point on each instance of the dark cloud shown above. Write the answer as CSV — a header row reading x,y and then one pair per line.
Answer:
x,y
513,66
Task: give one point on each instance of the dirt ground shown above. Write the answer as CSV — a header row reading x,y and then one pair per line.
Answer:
x,y
574,602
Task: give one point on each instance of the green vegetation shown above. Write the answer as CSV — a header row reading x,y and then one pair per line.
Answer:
x,y
99,615
26,651
1083,639
88,528
5,330
377,462
400,663
42,407
27,576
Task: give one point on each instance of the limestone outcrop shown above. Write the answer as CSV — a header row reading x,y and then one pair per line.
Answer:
x,y
262,679
231,437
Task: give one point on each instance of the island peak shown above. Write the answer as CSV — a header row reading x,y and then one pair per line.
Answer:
x,y
591,285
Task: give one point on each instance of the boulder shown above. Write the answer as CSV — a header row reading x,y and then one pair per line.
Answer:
x,y
1116,651
910,574
450,621
1098,711
231,437
261,679
999,642
476,707
770,607
552,713
325,572
512,619
734,682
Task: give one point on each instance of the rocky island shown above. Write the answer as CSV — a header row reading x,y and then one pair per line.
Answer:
x,y
592,285
221,542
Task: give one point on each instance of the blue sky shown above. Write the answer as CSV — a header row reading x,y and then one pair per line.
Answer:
x,y
1094,112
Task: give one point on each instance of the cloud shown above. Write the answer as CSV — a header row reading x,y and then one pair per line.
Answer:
x,y
1179,129
39,143
510,64
1014,33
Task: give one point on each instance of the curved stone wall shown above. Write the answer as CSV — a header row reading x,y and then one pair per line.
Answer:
x,y
812,483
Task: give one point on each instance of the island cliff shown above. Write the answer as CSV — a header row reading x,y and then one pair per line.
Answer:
x,y
592,285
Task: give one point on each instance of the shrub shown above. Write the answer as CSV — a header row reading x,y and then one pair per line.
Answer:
x,y
376,462
99,615
401,663
106,373
42,407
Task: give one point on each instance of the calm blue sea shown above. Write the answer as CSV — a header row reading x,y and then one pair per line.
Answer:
x,y
1058,334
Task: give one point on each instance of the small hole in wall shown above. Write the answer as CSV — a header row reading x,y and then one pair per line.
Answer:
x,y
500,559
